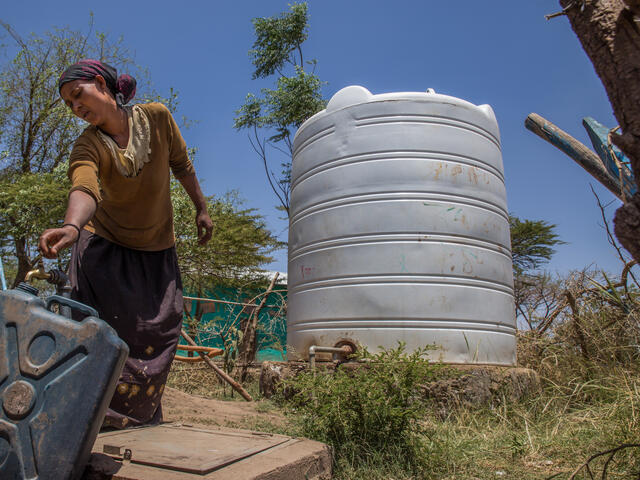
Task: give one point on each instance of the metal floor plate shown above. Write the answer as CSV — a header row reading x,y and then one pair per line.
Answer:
x,y
185,449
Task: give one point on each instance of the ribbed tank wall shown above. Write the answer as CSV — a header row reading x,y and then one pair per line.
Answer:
x,y
399,229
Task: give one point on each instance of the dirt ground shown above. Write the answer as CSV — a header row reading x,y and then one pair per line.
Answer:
x,y
193,410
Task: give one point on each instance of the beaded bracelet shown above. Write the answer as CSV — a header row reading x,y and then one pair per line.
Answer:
x,y
72,225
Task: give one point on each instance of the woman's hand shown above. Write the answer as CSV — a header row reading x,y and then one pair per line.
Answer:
x,y
205,227
54,240
203,220
81,208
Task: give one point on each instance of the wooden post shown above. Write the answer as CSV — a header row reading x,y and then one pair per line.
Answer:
x,y
235,385
586,158
249,334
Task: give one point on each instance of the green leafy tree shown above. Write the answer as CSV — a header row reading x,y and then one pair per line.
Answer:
x,y
272,117
536,293
28,203
240,244
532,243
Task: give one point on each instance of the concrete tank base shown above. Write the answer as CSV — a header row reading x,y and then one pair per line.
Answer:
x,y
176,452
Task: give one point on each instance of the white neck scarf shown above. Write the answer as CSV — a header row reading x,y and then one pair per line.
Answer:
x,y
129,161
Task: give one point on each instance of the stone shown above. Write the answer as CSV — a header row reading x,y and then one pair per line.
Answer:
x,y
273,373
477,386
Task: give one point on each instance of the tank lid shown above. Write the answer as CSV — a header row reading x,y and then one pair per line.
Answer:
x,y
357,95
348,96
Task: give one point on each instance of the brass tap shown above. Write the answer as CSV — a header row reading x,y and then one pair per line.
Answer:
x,y
37,273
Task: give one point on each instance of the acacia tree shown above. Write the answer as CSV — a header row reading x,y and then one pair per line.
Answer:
x,y
610,35
28,204
240,243
37,131
272,116
532,243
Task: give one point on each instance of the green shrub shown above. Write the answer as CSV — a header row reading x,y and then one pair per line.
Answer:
x,y
369,414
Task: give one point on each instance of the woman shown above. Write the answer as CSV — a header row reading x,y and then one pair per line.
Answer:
x,y
120,223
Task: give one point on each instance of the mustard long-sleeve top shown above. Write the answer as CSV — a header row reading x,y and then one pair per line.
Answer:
x,y
134,212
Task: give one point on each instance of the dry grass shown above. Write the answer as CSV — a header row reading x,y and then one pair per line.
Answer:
x,y
199,379
542,436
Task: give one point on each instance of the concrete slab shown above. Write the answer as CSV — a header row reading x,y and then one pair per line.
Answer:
x,y
178,452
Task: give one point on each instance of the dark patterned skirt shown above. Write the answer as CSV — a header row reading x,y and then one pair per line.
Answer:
x,y
139,294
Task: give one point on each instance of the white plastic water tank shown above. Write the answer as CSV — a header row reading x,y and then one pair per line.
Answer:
x,y
399,229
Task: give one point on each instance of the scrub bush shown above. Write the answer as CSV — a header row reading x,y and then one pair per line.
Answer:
x,y
370,414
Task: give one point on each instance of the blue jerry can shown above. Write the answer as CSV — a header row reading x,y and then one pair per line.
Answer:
x,y
57,377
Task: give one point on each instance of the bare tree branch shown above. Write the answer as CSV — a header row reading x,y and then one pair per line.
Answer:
x,y
610,237
259,147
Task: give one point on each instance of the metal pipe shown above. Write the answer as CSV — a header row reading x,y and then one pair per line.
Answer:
x,y
4,283
54,277
38,273
64,291
60,280
346,349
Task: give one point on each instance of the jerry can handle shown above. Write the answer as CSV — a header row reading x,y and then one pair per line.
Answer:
x,y
81,307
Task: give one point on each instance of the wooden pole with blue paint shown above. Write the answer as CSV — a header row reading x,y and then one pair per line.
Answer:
x,y
584,156
613,159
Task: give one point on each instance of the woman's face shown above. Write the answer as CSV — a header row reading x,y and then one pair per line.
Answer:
x,y
89,100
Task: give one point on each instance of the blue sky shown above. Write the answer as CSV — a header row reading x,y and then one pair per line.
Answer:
x,y
501,53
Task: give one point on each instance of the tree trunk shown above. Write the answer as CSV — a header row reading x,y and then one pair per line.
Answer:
x,y
611,38
248,348
24,263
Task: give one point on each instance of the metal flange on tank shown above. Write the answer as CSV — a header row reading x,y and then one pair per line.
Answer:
x,y
399,228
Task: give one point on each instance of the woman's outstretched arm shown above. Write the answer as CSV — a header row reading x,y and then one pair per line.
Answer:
x,y
81,208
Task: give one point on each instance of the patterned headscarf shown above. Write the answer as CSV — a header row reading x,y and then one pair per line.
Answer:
x,y
122,87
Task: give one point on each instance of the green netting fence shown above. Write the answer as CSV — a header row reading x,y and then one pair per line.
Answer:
x,y
216,323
